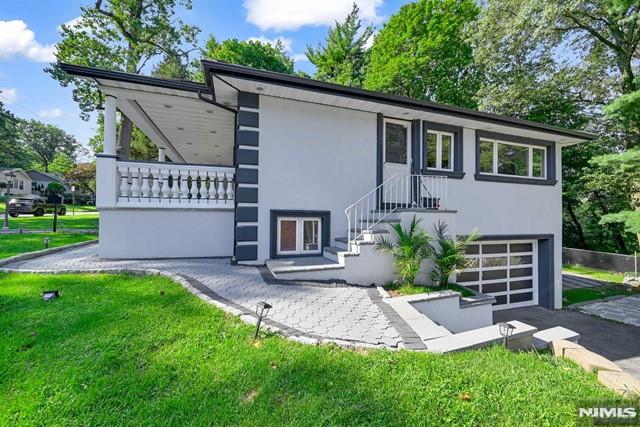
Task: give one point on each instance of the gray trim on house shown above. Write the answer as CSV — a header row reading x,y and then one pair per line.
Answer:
x,y
325,218
242,72
550,161
246,214
248,119
246,174
247,157
247,137
457,131
247,233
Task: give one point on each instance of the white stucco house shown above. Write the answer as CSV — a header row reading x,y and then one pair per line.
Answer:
x,y
302,175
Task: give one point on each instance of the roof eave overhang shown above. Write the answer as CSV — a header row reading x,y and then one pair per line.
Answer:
x,y
225,69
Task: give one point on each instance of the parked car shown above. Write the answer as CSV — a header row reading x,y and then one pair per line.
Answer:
x,y
35,205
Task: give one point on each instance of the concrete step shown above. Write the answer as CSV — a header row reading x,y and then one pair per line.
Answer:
x,y
334,253
280,267
341,242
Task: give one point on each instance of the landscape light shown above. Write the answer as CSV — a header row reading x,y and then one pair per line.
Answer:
x,y
262,310
506,330
46,241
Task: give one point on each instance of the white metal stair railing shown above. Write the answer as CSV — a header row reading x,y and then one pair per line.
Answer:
x,y
397,192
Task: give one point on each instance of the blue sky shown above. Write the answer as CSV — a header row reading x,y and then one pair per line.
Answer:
x,y
29,31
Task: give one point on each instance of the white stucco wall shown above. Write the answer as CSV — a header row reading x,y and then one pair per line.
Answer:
x,y
165,233
312,157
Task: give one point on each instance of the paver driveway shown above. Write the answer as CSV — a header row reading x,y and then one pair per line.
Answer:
x,y
346,313
625,310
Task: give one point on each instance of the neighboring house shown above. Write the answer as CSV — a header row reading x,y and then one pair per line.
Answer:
x,y
21,184
303,175
41,180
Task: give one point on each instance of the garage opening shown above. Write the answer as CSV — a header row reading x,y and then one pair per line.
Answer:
x,y
506,270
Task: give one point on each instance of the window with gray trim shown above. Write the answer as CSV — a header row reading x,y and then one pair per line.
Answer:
x,y
515,159
442,150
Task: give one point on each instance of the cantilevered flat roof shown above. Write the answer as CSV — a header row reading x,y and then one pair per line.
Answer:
x,y
227,77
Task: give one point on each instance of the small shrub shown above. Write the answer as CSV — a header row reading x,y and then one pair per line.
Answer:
x,y
449,254
409,250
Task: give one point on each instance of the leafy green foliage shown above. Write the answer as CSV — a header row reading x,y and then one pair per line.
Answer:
x,y
421,52
122,35
55,188
250,53
120,349
344,57
449,254
12,149
62,163
83,176
409,250
47,141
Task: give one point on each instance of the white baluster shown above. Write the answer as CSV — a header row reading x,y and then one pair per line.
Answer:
x,y
166,191
155,188
145,189
220,189
193,191
134,173
230,194
184,185
175,188
204,193
124,184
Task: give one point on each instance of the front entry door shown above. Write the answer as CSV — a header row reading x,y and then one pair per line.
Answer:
x,y
396,161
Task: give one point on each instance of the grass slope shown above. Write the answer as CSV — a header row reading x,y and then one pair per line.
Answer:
x,y
116,350
15,244
593,273
573,296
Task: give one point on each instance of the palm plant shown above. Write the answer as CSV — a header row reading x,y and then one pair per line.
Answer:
x,y
411,247
449,254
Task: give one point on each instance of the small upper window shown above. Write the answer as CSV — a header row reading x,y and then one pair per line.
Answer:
x,y
396,143
506,158
439,153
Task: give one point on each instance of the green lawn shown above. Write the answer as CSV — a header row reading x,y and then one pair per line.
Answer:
x,y
124,350
86,221
593,273
397,289
15,244
573,296
68,206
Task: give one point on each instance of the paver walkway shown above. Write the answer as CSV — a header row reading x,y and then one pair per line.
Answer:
x,y
625,310
346,313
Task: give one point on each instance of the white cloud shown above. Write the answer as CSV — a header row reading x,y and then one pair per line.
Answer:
x,y
53,113
293,14
8,95
17,39
299,57
286,42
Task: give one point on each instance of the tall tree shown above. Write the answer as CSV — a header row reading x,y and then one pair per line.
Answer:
x,y
46,142
12,150
251,53
121,35
421,52
344,57
171,67
84,177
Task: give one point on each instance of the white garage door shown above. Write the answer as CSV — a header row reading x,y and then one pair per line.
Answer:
x,y
506,270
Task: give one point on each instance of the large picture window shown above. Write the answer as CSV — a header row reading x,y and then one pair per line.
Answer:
x,y
439,149
512,159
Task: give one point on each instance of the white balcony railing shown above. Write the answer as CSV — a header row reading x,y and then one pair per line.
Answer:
x,y
168,185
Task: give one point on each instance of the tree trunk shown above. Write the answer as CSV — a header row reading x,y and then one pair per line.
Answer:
x,y
576,223
124,139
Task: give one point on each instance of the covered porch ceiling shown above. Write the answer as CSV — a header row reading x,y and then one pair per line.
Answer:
x,y
190,129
